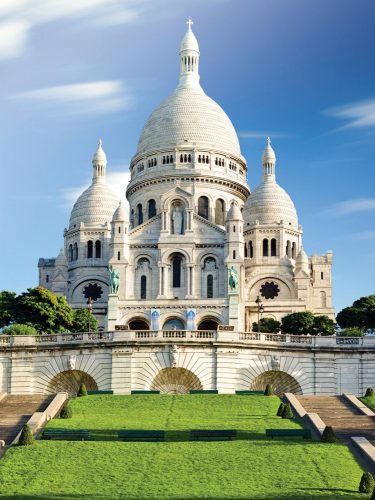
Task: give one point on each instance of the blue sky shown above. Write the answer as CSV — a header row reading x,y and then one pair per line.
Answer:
x,y
301,71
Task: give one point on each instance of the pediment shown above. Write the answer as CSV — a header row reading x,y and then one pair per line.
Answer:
x,y
176,190
207,229
150,230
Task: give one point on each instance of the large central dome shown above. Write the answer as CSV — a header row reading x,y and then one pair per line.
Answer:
x,y
189,117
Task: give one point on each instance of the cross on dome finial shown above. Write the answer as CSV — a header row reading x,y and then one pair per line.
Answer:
x,y
189,22
100,143
268,141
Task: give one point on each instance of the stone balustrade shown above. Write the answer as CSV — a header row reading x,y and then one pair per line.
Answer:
x,y
144,336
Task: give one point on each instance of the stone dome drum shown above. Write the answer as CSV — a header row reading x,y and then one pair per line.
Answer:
x,y
189,117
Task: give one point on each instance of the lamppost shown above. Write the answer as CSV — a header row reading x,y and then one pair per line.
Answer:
x,y
260,310
89,307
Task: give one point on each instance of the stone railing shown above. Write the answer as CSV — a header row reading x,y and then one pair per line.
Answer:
x,y
190,336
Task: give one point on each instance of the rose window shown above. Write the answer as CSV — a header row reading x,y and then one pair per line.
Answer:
x,y
269,290
92,291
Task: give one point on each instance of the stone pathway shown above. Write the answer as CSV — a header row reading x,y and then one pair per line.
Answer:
x,y
345,418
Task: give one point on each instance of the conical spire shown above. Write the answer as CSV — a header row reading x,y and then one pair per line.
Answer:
x,y
99,163
302,262
189,59
268,161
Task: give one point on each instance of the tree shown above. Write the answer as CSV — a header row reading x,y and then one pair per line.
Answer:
x,y
267,325
299,323
84,321
351,332
7,306
26,437
361,314
323,325
19,329
45,311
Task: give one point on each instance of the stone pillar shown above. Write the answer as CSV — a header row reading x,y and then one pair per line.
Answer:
x,y
226,370
112,314
22,377
121,370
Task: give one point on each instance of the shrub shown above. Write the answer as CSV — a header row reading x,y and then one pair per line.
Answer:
x,y
26,438
367,483
369,392
66,411
19,329
82,391
287,412
328,435
267,325
269,390
280,410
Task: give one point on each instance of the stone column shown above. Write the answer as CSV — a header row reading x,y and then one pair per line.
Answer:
x,y
226,370
121,370
112,314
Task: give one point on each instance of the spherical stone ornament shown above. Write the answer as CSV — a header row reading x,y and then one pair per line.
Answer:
x,y
93,291
269,290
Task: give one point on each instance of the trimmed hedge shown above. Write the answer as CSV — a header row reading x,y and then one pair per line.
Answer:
x,y
367,483
269,390
280,410
328,435
66,411
287,412
369,392
26,438
82,391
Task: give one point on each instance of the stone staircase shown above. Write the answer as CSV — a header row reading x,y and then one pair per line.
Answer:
x,y
345,419
15,411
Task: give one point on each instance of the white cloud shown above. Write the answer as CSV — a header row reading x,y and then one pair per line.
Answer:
x,y
81,98
358,114
353,206
19,17
251,134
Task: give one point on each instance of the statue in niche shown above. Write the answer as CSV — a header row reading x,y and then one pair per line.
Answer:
x,y
233,279
177,219
173,354
114,280
275,363
72,362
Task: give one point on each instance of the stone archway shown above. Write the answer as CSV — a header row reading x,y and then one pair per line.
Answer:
x,y
281,382
69,381
138,324
208,323
176,381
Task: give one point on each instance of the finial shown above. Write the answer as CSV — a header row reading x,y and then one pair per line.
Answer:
x,y
100,142
189,22
268,141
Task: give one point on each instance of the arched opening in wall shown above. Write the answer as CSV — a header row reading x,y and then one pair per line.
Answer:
x,y
281,382
251,250
143,287
70,253
174,324
265,247
176,271
288,250
75,251
323,299
98,249
70,381
220,212
208,324
90,247
138,324
273,247
151,208
176,381
294,250
203,207
139,214
210,286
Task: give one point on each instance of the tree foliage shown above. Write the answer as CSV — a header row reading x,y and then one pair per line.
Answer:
x,y
299,323
19,329
267,325
351,332
84,321
361,314
7,307
323,325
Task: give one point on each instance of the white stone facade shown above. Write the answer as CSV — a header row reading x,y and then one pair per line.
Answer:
x,y
191,220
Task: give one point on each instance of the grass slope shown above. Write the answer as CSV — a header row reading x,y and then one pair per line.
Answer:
x,y
259,469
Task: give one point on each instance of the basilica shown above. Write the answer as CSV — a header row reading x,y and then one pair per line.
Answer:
x,y
194,249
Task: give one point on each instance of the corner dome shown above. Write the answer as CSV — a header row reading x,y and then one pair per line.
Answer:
x,y
269,204
120,213
95,206
234,213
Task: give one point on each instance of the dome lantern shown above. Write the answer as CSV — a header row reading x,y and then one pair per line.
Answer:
x,y
99,163
269,161
189,59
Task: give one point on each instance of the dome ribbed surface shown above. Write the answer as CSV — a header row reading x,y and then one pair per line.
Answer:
x,y
189,117
269,204
95,206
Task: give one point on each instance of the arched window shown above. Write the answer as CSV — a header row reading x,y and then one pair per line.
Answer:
x,y
143,287
181,158
176,272
75,251
245,250
288,249
185,158
98,249
203,207
199,158
251,250
70,253
151,208
90,246
140,213
323,299
210,286
234,254
265,247
293,250
118,255
189,158
219,212
273,247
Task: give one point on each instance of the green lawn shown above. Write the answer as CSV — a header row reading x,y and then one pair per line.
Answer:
x,y
178,469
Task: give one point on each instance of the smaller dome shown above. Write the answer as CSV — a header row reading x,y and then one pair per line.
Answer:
x,y
95,206
302,262
234,212
269,155
120,214
189,42
61,259
99,156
